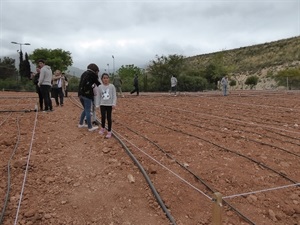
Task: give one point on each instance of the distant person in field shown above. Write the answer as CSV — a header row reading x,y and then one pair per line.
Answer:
x,y
44,84
118,84
37,89
224,83
136,85
87,83
107,100
173,85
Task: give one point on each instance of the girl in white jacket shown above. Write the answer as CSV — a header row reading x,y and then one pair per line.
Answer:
x,y
107,99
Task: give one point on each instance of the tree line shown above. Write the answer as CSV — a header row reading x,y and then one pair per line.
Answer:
x,y
155,77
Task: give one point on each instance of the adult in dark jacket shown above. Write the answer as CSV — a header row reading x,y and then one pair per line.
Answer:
x,y
88,81
136,85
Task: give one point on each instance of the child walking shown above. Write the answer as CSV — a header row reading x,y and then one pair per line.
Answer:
x,y
107,100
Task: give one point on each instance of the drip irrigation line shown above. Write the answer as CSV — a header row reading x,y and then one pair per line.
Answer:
x,y
171,171
26,169
255,141
195,176
11,97
9,174
266,126
25,110
5,119
231,151
250,139
260,191
153,189
284,135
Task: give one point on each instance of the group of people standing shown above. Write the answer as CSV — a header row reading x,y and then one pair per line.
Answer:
x,y
47,83
92,92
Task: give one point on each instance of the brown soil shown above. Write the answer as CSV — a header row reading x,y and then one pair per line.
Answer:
x,y
67,175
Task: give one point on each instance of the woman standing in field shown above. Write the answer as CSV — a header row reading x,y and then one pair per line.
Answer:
x,y
107,100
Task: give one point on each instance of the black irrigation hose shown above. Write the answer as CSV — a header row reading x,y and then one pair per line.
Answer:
x,y
284,135
255,141
153,189
250,139
25,110
232,151
8,175
196,176
17,97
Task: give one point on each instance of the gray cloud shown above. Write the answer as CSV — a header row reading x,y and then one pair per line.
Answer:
x,y
135,31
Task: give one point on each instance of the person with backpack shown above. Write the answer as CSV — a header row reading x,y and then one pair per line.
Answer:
x,y
88,81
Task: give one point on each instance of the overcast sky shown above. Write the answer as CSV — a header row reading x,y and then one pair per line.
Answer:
x,y
134,32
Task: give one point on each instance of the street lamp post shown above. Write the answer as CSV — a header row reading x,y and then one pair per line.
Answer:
x,y
108,68
113,64
20,55
17,43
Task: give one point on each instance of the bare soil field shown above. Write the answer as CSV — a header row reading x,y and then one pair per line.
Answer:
x,y
245,146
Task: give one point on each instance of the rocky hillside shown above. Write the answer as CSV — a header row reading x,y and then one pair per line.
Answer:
x,y
263,60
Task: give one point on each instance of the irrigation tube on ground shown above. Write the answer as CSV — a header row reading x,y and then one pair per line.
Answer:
x,y
157,196
24,110
26,169
8,174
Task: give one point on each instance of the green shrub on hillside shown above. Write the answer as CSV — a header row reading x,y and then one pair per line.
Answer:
x,y
252,81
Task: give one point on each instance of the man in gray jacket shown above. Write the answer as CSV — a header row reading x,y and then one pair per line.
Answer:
x,y
45,84
224,83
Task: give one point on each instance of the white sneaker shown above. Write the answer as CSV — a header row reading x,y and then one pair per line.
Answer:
x,y
93,128
83,125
